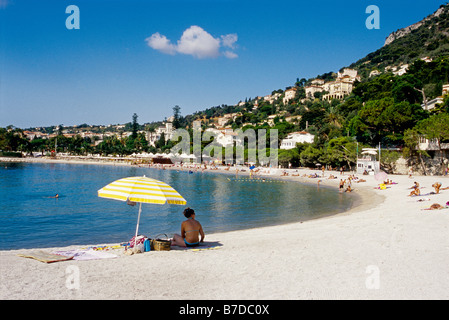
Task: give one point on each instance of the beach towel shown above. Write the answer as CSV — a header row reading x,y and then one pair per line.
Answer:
x,y
78,254
46,257
425,194
198,248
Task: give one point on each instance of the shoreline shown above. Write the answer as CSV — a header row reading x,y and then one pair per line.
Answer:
x,y
362,198
386,247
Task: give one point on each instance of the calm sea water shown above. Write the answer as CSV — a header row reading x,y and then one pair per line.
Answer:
x,y
29,218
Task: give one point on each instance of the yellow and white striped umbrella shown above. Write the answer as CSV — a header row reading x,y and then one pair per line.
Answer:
x,y
141,189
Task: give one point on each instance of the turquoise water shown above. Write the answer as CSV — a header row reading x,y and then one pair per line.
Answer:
x,y
29,218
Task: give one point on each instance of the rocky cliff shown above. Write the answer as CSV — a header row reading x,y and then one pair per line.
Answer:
x,y
404,31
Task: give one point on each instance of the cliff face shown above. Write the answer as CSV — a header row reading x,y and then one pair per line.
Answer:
x,y
404,31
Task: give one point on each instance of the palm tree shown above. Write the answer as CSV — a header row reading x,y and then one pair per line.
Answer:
x,y
333,117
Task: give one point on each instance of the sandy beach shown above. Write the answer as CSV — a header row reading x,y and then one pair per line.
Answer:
x,y
387,247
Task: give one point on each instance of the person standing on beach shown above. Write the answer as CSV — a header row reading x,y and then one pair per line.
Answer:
x,y
342,185
191,230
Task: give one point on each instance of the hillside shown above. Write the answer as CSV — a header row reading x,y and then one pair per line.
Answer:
x,y
426,38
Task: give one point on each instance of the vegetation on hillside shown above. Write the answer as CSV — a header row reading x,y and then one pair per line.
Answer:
x,y
381,110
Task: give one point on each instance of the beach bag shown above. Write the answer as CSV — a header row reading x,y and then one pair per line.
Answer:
x,y
160,244
139,240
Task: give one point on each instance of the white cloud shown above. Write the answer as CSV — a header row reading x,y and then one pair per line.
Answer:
x,y
198,43
229,40
195,41
230,55
161,43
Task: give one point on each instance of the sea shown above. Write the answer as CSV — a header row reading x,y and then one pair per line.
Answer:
x,y
30,216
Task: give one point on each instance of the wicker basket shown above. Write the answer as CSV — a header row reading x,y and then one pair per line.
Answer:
x,y
160,244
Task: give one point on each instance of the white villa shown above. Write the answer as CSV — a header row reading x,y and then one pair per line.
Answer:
x,y
438,100
296,137
432,103
221,122
310,90
337,89
225,137
289,95
445,89
167,130
271,97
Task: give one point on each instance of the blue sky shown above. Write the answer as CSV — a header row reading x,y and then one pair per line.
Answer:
x,y
145,57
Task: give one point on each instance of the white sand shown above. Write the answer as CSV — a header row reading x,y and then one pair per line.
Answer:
x,y
386,248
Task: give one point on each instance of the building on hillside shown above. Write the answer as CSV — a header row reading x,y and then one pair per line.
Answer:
x,y
310,90
349,73
289,95
432,103
30,135
445,89
338,89
221,121
296,137
271,97
225,137
167,130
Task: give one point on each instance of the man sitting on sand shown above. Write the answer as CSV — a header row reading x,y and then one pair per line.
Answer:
x,y
437,187
190,231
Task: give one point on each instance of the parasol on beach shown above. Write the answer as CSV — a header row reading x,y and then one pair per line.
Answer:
x,y
141,190
381,176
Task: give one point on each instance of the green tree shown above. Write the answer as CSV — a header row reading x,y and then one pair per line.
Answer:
x,y
290,156
135,127
436,128
311,156
411,149
342,151
176,117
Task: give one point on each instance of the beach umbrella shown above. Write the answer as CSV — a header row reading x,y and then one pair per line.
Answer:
x,y
141,190
381,176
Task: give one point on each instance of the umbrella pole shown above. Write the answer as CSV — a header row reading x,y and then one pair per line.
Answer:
x,y
138,221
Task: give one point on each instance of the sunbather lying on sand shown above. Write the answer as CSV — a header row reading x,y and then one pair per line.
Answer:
x,y
437,206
